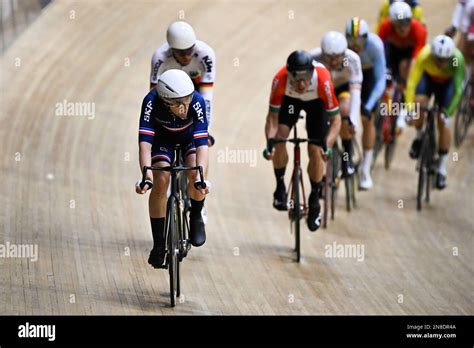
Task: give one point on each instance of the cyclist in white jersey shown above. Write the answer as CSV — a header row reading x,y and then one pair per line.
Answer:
x,y
456,18
196,58
346,73
467,41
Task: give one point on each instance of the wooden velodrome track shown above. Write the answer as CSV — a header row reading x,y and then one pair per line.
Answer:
x,y
72,191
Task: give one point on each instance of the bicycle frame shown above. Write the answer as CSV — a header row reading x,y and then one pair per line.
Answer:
x,y
176,222
426,160
298,209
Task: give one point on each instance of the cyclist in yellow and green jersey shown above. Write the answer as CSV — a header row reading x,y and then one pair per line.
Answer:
x,y
415,9
439,70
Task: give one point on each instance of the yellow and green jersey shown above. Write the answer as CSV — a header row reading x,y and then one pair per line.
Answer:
x,y
425,63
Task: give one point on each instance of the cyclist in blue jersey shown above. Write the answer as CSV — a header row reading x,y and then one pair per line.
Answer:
x,y
173,113
370,49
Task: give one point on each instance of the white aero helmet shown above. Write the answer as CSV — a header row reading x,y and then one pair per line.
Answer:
x,y
443,47
333,43
400,11
174,84
180,35
356,27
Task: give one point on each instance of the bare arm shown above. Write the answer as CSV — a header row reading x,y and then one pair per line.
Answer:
x,y
271,125
201,158
334,128
145,158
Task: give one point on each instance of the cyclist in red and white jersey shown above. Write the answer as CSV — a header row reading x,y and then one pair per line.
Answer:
x,y
302,85
346,73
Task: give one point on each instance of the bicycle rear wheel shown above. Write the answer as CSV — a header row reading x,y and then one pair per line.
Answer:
x,y
173,264
335,167
389,152
391,145
327,181
349,185
378,122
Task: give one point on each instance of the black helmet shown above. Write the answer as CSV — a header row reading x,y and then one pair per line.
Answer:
x,y
299,61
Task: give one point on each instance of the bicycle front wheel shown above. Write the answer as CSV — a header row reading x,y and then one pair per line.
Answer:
x,y
297,211
172,234
423,171
463,117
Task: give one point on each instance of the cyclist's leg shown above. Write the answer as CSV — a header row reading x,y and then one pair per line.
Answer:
x,y
368,136
398,62
317,128
404,62
344,99
287,118
404,69
444,95
162,156
197,233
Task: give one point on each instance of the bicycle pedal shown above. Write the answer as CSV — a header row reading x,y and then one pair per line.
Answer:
x,y
184,249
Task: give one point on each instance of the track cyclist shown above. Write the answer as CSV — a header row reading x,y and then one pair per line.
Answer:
x,y
416,9
183,51
370,49
346,73
439,70
172,113
467,30
302,85
403,37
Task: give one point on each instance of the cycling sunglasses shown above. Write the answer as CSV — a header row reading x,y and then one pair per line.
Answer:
x,y
301,75
179,101
332,57
182,53
402,23
356,41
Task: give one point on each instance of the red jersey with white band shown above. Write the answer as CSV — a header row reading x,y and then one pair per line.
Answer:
x,y
416,37
320,87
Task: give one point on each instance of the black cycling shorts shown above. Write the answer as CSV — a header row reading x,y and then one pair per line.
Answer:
x,y
395,55
317,121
